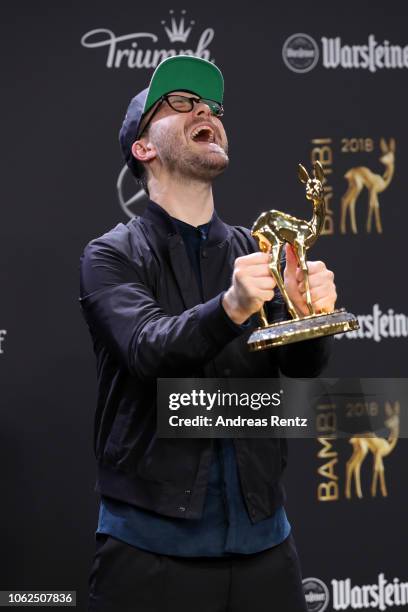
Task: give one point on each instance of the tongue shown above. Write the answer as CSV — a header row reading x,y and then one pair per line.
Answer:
x,y
202,138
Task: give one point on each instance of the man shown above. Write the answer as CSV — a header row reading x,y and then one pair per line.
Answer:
x,y
187,524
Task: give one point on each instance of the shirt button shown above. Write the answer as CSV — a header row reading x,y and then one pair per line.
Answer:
x,y
182,508
187,492
204,254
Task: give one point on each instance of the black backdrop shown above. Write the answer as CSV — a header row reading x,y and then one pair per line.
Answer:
x,y
62,108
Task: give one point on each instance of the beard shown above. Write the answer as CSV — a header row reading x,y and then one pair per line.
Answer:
x,y
194,161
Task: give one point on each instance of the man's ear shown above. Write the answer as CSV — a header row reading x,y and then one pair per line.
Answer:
x,y
143,150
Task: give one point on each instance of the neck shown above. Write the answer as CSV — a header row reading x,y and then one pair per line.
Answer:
x,y
319,213
392,440
388,174
184,198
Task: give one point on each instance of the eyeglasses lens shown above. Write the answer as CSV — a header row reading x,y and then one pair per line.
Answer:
x,y
184,104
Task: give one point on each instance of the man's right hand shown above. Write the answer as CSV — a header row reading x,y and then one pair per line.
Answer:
x,y
252,285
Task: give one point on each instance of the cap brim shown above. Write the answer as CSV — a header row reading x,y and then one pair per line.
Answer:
x,y
185,73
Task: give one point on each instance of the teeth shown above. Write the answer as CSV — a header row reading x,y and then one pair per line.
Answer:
x,y
200,129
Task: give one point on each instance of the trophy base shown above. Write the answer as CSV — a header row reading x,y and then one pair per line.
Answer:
x,y
305,328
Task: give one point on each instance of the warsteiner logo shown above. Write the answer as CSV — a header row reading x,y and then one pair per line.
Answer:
x,y
378,325
316,594
138,49
382,595
301,53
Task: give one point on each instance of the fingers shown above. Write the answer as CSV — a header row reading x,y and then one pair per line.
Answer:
x,y
324,279
255,265
254,283
252,259
321,284
313,267
267,296
317,293
325,304
259,271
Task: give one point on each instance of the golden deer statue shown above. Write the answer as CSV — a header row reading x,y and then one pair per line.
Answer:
x,y
380,448
362,176
273,228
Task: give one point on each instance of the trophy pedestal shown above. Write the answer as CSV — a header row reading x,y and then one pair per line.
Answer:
x,y
305,328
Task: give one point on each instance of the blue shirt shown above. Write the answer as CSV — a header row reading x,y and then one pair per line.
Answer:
x,y
225,527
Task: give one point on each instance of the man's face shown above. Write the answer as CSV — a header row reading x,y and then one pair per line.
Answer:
x,y
192,144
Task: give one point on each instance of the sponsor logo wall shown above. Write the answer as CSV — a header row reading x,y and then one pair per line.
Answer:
x,y
301,85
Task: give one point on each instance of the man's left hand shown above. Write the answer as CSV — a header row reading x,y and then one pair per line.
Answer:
x,y
321,284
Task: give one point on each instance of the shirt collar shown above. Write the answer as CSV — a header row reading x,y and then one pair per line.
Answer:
x,y
192,232
165,224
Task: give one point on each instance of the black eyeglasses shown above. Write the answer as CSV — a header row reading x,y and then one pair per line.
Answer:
x,y
185,104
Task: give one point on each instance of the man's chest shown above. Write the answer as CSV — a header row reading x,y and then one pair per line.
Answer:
x,y
175,283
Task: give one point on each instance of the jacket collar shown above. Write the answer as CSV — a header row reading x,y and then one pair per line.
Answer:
x,y
163,222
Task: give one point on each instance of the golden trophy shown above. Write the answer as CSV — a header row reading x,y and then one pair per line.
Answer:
x,y
272,230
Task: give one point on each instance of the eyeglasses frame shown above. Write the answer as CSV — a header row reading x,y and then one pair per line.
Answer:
x,y
196,100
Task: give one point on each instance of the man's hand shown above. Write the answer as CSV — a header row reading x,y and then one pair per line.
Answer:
x,y
321,283
252,285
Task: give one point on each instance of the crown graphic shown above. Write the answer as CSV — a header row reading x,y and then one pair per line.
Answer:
x,y
177,32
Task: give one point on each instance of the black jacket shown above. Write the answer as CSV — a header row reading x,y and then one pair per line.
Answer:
x,y
141,301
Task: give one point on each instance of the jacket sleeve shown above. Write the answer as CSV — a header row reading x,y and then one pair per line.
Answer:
x,y
305,359
121,311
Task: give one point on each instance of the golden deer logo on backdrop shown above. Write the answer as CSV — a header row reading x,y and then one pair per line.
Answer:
x,y
380,448
361,177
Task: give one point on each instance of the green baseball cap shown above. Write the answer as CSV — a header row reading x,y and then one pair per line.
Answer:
x,y
185,73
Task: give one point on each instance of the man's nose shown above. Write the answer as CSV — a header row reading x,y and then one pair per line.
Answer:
x,y
201,108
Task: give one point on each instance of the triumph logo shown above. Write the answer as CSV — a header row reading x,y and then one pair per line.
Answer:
x,y
129,51
177,33
301,53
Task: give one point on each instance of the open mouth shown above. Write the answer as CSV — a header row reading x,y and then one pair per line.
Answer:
x,y
203,133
